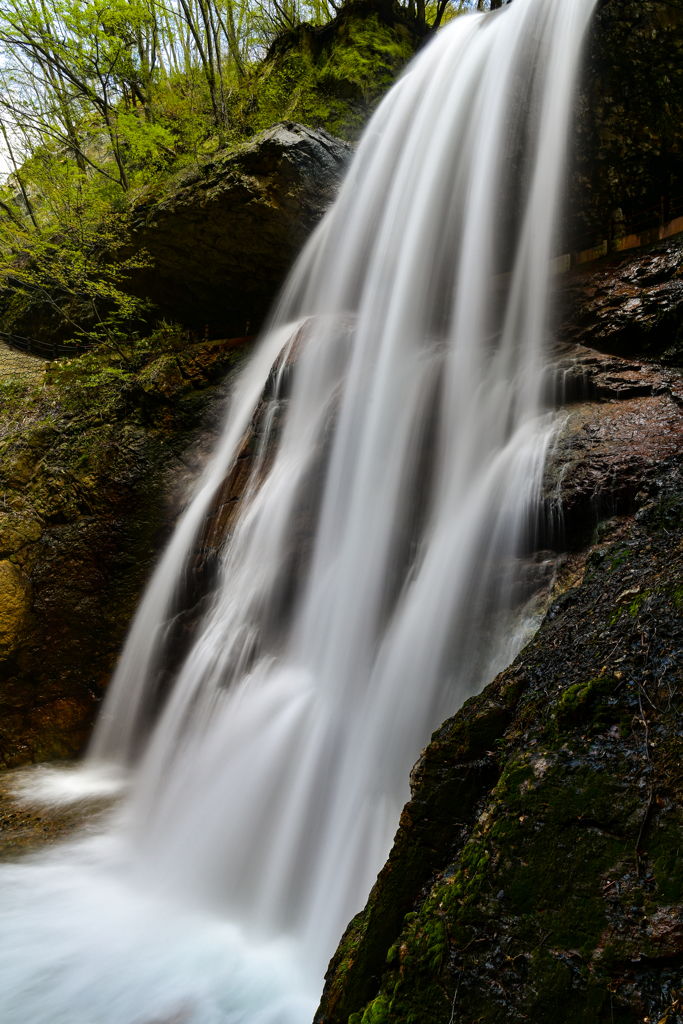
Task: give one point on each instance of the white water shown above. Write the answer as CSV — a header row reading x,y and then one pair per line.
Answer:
x,y
267,783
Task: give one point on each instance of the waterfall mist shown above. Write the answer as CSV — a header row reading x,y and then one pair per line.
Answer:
x,y
368,585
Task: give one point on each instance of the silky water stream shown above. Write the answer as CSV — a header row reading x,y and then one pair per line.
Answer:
x,y
368,583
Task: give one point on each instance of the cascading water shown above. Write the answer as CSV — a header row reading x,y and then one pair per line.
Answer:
x,y
367,586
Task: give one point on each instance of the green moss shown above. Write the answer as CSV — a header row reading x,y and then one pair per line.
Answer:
x,y
581,703
556,996
329,77
548,867
664,850
559,896
618,559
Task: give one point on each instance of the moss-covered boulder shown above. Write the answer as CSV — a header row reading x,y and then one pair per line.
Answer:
x,y
536,873
222,236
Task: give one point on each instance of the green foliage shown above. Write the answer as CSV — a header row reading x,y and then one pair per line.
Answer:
x,y
100,99
330,81
148,142
74,274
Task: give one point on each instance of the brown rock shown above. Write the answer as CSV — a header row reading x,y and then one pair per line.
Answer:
x,y
627,303
15,607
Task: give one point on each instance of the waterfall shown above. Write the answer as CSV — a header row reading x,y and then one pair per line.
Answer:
x,y
368,584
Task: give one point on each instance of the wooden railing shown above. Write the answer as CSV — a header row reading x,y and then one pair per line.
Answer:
x,y
652,224
236,329
45,349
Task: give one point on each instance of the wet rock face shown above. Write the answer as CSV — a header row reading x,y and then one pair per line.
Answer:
x,y
623,411
627,304
15,607
223,238
92,478
621,424
536,870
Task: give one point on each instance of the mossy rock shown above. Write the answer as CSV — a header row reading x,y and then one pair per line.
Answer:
x,y
331,76
554,888
89,456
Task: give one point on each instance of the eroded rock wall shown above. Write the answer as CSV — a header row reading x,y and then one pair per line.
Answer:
x,y
95,462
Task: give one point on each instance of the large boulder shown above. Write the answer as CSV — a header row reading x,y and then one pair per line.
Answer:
x,y
223,235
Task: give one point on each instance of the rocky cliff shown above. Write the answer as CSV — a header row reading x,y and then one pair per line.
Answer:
x,y
535,874
536,870
95,458
629,130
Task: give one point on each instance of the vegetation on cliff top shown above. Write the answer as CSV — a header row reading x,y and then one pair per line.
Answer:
x,y
101,100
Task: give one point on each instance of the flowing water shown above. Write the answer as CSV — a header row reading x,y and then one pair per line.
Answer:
x,y
369,584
